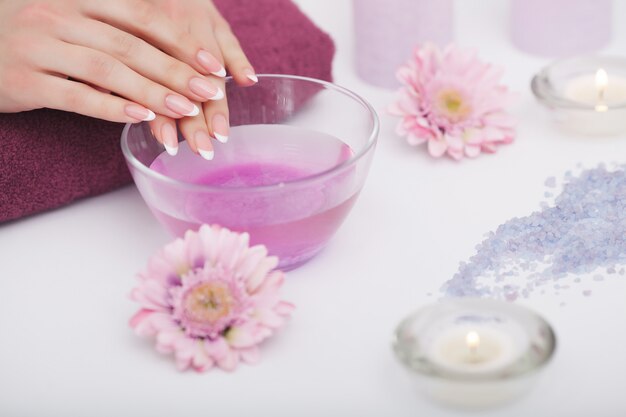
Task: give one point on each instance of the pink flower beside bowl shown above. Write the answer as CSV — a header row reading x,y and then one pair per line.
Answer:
x,y
453,102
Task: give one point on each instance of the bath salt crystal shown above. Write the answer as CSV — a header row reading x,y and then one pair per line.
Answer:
x,y
581,232
550,182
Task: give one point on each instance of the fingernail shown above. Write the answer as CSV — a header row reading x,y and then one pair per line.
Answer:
x,y
210,63
203,142
220,128
170,139
251,75
205,89
139,112
181,105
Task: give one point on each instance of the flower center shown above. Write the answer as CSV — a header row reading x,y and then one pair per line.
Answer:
x,y
208,302
452,105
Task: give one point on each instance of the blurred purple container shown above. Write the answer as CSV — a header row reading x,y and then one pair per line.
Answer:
x,y
558,28
388,31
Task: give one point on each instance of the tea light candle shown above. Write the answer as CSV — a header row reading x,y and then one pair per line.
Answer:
x,y
474,353
587,95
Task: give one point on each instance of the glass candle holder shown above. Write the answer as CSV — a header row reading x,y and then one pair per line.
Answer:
x,y
587,95
474,353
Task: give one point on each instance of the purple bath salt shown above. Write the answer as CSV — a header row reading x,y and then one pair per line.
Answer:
x,y
550,182
582,231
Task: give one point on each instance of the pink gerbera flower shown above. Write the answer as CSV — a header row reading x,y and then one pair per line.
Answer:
x,y
453,102
210,299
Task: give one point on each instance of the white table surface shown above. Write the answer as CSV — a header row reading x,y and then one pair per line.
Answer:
x,y
66,348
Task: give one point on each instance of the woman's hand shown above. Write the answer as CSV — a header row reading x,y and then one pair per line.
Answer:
x,y
69,54
204,22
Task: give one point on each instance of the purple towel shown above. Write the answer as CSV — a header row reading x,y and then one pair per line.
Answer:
x,y
50,158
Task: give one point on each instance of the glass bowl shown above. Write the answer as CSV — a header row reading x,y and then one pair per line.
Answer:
x,y
568,87
511,345
298,154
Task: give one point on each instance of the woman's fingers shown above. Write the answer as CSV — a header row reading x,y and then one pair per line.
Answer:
x,y
216,117
195,131
216,114
98,68
147,21
164,129
234,58
143,58
63,94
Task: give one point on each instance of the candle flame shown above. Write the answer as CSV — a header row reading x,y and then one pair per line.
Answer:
x,y
602,79
473,341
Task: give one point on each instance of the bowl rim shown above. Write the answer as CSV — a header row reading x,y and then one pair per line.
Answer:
x,y
539,83
435,371
371,142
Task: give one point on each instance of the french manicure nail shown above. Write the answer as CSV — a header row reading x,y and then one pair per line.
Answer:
x,y
170,139
205,89
249,72
203,142
210,63
208,155
221,73
220,128
139,112
181,105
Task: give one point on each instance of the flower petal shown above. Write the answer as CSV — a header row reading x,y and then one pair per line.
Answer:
x,y
201,361
217,349
454,142
472,151
250,261
456,154
166,340
257,277
269,318
437,147
230,361
284,308
246,335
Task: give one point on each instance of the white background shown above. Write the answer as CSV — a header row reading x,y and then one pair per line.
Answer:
x,y
66,349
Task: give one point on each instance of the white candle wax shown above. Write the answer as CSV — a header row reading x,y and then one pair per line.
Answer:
x,y
475,350
599,88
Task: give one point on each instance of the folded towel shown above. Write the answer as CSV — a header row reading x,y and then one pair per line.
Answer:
x,y
50,158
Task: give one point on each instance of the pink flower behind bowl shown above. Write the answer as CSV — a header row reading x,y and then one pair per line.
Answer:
x,y
210,299
452,102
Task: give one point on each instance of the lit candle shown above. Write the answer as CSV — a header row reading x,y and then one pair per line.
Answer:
x,y
476,349
602,80
474,353
597,89
587,94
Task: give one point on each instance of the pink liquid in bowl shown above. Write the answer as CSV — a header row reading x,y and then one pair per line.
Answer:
x,y
293,221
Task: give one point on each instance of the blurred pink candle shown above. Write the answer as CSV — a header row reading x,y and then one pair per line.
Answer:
x,y
558,28
388,31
